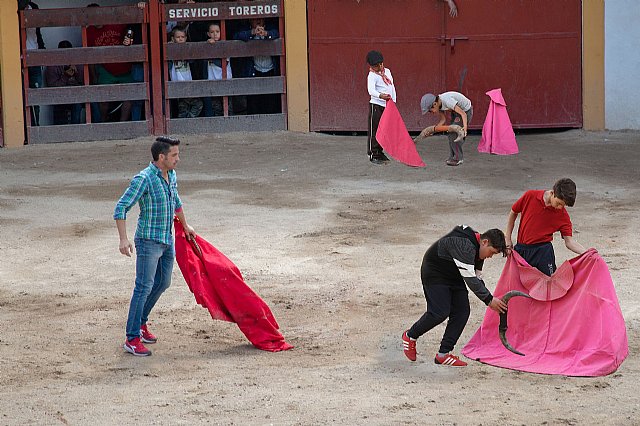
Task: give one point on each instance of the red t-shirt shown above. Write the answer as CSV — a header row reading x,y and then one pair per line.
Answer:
x,y
109,35
537,221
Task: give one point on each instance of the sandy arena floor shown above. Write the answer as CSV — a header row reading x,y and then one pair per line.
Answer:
x,y
332,243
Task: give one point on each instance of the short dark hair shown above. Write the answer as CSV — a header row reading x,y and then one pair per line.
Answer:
x,y
179,28
496,240
64,44
565,189
374,57
163,145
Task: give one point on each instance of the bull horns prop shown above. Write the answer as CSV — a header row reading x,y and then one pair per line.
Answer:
x,y
502,328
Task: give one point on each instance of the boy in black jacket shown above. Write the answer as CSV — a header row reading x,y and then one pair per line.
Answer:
x,y
451,262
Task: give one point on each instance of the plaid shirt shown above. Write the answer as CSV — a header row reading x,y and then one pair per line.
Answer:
x,y
158,202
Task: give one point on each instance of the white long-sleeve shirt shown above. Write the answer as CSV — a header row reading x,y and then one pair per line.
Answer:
x,y
376,85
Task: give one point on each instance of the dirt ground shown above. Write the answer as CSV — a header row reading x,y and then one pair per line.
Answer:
x,y
332,243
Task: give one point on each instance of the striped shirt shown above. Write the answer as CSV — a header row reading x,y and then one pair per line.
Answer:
x,y
158,202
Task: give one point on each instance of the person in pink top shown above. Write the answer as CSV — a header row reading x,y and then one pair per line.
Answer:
x,y
542,214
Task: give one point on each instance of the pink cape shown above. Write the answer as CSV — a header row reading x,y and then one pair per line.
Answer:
x,y
575,328
394,138
217,285
497,132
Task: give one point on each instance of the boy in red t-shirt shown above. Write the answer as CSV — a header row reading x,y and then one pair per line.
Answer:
x,y
543,214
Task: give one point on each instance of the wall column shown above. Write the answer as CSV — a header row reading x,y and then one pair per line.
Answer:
x,y
296,36
593,100
10,75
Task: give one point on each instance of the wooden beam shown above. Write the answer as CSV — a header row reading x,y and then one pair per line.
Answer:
x,y
87,55
88,132
82,94
233,87
82,16
223,10
224,49
236,123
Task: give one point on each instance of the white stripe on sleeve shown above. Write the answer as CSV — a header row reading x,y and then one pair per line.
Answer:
x,y
466,270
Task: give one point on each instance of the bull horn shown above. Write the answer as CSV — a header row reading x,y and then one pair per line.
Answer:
x,y
502,328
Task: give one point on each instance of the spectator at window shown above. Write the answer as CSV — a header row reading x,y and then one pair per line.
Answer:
x,y
62,76
111,73
261,66
213,106
181,71
34,41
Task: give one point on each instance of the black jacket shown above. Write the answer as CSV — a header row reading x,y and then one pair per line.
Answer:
x,y
453,260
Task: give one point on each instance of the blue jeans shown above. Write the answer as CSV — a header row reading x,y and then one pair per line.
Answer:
x,y
137,74
154,264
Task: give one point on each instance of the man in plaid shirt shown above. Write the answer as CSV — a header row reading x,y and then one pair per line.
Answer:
x,y
155,189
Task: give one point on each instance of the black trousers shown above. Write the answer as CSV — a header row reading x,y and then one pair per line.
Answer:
x,y
540,256
373,147
264,104
444,301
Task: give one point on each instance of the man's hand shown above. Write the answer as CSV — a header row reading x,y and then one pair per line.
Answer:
x,y
126,247
498,305
385,96
189,231
70,70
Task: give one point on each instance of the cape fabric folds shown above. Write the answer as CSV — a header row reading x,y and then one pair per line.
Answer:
x,y
497,132
217,285
393,137
573,326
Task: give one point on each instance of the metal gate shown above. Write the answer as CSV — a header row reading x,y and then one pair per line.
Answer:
x,y
532,50
153,53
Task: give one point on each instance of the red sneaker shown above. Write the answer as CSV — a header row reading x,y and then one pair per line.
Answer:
x,y
449,360
146,336
136,347
409,347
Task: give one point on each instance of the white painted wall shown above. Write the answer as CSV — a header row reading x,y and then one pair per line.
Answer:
x,y
622,64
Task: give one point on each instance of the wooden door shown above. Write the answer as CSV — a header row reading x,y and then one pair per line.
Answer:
x,y
532,50
406,32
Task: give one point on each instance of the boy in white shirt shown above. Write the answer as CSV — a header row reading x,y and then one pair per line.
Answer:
x,y
381,89
181,71
213,106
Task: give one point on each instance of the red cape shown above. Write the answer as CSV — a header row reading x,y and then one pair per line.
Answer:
x,y
217,285
394,138
573,326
